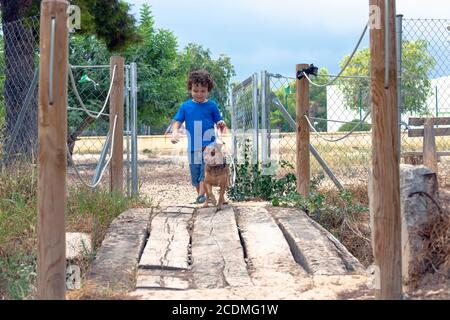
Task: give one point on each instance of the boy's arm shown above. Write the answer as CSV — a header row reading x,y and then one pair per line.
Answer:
x,y
175,138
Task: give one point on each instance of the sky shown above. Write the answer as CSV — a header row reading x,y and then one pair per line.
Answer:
x,y
275,35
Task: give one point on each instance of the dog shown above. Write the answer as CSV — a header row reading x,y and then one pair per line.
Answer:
x,y
217,173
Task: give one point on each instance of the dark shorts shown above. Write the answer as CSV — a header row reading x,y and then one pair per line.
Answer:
x,y
197,167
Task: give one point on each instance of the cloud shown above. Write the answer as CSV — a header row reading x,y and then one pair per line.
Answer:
x,y
277,34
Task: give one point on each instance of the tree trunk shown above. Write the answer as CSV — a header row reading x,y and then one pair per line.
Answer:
x,y
20,47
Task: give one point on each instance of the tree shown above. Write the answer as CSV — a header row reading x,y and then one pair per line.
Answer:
x,y
109,20
195,57
161,86
416,87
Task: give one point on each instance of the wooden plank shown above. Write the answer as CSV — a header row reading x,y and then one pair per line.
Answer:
x,y
163,279
443,121
311,246
116,259
438,132
303,134
429,147
116,108
384,187
269,257
52,157
168,244
217,253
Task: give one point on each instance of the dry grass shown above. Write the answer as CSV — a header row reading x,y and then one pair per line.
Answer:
x,y
90,291
87,211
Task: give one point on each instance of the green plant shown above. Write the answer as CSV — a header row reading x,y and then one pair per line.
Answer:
x,y
351,125
87,211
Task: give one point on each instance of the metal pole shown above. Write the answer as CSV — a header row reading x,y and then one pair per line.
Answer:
x,y
399,21
134,146
255,119
128,133
234,127
268,105
264,118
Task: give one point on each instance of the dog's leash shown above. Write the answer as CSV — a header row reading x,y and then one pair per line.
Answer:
x,y
231,158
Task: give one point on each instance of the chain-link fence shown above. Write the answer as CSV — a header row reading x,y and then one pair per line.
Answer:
x,y
19,61
245,122
88,109
339,116
426,85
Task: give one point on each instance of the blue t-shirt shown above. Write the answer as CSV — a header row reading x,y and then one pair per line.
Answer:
x,y
200,119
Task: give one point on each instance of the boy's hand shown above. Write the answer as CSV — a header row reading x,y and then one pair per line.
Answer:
x,y
175,138
221,125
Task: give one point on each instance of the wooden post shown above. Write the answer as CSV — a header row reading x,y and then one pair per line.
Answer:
x,y
303,134
429,146
52,159
385,184
116,108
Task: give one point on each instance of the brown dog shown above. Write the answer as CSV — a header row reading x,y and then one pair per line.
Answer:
x,y
217,173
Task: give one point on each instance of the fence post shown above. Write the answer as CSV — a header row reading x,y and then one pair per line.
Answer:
x,y
116,108
264,106
52,122
429,146
303,134
255,119
134,140
399,22
385,185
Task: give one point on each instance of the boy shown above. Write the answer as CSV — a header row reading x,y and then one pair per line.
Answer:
x,y
199,115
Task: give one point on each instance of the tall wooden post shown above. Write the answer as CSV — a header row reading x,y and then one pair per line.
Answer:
x,y
51,259
116,108
429,146
303,134
385,184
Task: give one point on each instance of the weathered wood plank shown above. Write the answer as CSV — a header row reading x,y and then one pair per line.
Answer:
x,y
438,132
52,157
312,246
163,279
429,147
303,134
116,108
116,260
384,182
167,246
270,259
217,253
443,121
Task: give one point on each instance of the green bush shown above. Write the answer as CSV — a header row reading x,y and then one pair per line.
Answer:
x,y
351,125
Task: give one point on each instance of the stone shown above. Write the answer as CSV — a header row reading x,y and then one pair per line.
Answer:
x,y
417,185
78,245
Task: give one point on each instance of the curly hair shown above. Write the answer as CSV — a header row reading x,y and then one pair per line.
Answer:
x,y
202,78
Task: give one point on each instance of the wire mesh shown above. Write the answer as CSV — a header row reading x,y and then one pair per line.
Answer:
x,y
243,98
19,62
340,111
18,102
428,39
333,119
